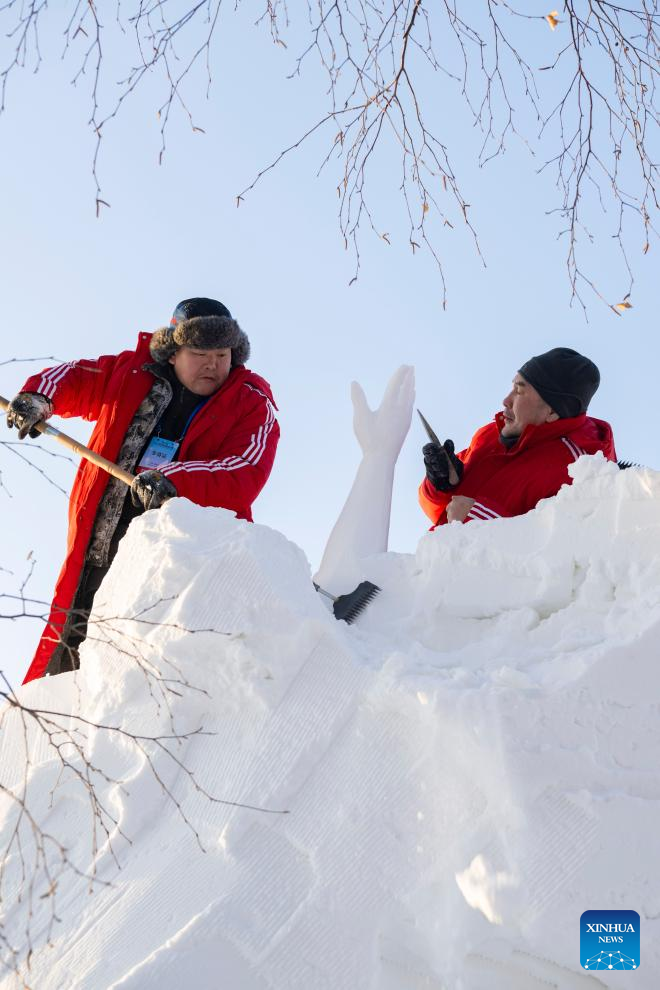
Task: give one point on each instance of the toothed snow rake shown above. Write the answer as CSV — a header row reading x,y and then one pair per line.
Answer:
x,y
345,607
349,607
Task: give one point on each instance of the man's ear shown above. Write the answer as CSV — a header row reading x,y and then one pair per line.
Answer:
x,y
552,416
171,358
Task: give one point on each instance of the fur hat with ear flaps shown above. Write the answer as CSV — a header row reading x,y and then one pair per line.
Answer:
x,y
202,323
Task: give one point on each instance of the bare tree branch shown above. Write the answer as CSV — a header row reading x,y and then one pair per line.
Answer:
x,y
590,113
34,858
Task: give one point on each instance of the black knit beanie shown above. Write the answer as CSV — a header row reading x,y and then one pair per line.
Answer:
x,y
564,379
202,323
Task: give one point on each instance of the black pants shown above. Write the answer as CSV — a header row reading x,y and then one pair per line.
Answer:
x,y
76,632
65,656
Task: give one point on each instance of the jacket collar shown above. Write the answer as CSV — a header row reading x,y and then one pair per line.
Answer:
x,y
532,435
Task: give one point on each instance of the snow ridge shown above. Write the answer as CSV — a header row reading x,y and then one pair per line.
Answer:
x,y
464,771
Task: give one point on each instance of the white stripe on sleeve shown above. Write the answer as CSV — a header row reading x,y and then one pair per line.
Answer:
x,y
51,378
248,458
479,511
573,447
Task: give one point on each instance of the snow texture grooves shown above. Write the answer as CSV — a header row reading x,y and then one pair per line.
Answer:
x,y
336,936
252,913
563,837
465,770
322,695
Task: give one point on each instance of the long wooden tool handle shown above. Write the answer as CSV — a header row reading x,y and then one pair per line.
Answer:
x,y
80,449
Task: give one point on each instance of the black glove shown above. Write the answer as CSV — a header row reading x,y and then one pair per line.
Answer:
x,y
26,410
437,461
150,489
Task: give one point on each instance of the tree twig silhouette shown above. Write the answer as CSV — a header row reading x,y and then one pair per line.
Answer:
x,y
589,113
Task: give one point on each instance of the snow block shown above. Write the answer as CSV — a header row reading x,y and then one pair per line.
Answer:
x,y
430,797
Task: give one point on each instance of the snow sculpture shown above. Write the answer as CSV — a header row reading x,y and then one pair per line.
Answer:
x,y
460,781
363,525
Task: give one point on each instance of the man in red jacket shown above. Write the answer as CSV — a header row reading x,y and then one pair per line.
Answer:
x,y
523,456
182,412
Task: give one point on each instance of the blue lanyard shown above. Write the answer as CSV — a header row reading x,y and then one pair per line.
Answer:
x,y
188,422
191,417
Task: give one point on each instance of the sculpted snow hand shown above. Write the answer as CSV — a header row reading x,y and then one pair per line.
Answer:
x,y
362,528
184,413
383,430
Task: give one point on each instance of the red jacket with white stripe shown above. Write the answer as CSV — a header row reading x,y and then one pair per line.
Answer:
x,y
511,481
224,460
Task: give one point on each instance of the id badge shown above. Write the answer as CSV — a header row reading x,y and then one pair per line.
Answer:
x,y
158,452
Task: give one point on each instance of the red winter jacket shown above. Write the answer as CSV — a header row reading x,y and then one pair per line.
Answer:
x,y
224,460
511,481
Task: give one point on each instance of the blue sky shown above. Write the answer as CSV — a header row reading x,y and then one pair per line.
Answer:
x,y
77,286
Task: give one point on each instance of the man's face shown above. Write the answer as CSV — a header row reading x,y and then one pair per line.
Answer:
x,y
203,372
523,407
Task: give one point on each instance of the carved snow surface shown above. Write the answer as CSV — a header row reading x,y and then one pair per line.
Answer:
x,y
465,770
